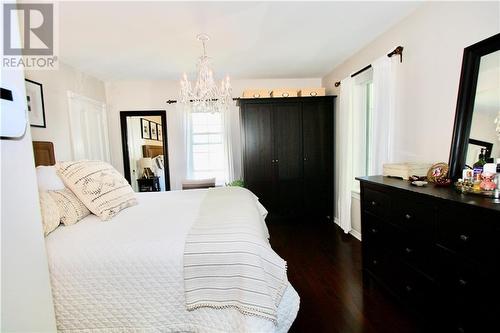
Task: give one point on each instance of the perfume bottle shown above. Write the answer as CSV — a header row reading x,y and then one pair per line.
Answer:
x,y
478,166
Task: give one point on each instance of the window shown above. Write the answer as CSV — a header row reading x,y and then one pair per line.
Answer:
x,y
362,119
206,146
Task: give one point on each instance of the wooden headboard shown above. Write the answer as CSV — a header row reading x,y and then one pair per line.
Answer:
x,y
44,153
151,151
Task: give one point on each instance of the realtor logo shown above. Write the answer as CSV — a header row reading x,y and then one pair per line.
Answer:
x,y
36,29
29,35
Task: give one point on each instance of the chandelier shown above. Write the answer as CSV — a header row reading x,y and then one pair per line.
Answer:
x,y
205,95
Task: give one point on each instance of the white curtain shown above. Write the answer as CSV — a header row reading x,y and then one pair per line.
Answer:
x,y
227,116
344,158
177,144
382,126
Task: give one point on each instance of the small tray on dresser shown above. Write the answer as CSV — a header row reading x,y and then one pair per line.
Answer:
x,y
495,194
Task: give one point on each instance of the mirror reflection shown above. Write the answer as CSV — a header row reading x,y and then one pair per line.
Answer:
x,y
484,138
146,153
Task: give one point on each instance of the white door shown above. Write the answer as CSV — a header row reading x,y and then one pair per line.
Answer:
x,y
88,127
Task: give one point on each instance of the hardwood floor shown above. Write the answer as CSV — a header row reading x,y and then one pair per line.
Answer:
x,y
324,266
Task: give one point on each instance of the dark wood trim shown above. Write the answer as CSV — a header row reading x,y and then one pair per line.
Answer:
x,y
123,123
465,101
43,104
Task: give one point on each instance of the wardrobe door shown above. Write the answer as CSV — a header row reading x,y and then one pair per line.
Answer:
x,y
287,132
258,166
317,117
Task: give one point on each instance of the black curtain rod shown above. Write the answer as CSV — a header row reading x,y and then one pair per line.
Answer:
x,y
397,51
173,101
361,70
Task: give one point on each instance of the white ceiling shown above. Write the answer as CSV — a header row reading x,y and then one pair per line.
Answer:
x,y
156,40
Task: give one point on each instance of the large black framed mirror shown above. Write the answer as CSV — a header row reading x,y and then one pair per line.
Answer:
x,y
145,150
477,115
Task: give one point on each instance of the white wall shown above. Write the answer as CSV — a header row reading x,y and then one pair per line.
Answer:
x,y
26,298
152,95
433,37
56,84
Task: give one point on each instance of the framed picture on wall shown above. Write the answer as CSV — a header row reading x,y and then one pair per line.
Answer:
x,y
145,126
158,130
154,133
34,103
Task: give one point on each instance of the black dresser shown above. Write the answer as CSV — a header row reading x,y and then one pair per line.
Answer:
x,y
436,250
288,155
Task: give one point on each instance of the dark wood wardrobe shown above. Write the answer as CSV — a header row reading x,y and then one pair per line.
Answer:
x,y
288,154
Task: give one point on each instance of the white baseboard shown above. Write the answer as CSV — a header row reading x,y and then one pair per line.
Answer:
x,y
354,233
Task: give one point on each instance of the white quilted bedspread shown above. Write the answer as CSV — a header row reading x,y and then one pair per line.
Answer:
x,y
125,275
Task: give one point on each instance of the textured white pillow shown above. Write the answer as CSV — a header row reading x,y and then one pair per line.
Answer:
x,y
48,179
98,185
50,213
71,209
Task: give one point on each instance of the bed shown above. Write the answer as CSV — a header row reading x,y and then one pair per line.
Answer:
x,y
126,274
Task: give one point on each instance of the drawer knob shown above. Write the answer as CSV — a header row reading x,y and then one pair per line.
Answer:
x,y
408,288
408,250
462,282
373,203
408,216
464,238
374,231
375,261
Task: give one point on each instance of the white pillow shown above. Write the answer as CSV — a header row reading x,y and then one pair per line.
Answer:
x,y
50,213
48,179
98,185
71,209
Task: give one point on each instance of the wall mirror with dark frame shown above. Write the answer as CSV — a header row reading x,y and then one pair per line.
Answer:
x,y
145,150
477,119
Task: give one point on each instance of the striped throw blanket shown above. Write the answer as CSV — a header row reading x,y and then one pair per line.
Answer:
x,y
228,261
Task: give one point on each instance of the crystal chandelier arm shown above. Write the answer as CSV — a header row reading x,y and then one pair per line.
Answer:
x,y
205,95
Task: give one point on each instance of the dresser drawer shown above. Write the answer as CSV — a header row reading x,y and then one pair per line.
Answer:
x,y
416,289
383,267
415,215
466,283
469,295
471,232
376,202
377,233
417,254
